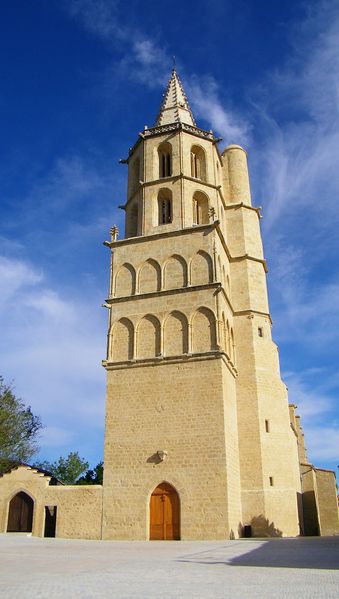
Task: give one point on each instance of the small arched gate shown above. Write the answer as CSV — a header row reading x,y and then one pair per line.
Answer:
x,y
20,514
164,514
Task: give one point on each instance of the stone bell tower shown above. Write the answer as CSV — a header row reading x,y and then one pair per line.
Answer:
x,y
198,442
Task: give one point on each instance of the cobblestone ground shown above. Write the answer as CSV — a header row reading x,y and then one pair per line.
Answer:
x,y
247,568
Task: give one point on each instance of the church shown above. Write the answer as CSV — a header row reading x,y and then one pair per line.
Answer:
x,y
200,440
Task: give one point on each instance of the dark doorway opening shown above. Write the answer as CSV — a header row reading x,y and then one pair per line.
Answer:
x,y
50,520
20,514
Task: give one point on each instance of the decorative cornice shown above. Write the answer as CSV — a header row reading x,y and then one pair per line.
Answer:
x,y
162,292
165,360
143,238
161,129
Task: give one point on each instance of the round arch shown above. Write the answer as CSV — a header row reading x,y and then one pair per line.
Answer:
x,y
174,272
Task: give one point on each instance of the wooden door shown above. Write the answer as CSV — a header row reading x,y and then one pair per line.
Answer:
x,y
164,514
20,515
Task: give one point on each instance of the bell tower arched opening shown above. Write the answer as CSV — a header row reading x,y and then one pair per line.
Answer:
x,y
165,207
165,160
198,163
164,514
200,208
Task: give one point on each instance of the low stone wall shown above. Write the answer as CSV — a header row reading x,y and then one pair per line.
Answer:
x,y
79,508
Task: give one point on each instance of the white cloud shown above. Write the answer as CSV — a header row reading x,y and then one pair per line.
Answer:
x,y
311,399
97,16
14,276
51,345
306,310
142,59
322,443
203,93
317,408
299,122
55,437
146,60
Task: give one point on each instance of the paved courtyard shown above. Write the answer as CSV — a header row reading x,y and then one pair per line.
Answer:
x,y
246,568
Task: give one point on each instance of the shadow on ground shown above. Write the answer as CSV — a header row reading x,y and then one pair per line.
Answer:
x,y
313,553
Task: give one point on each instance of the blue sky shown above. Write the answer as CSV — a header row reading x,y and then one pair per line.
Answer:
x,y
79,80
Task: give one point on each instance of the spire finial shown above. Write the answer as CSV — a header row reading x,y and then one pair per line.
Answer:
x,y
174,63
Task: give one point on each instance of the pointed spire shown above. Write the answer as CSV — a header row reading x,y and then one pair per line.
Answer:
x,y
175,107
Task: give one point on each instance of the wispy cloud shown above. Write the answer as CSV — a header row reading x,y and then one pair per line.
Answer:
x,y
100,17
306,308
142,58
205,98
311,391
146,59
293,162
323,443
299,122
58,341
15,275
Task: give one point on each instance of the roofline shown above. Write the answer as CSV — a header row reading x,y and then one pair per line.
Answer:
x,y
16,465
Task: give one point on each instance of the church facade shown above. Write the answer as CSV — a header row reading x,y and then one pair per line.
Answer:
x,y
200,440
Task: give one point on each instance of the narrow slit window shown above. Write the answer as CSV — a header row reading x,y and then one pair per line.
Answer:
x,y
271,481
267,426
260,332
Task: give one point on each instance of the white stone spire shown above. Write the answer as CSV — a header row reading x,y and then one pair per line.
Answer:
x,y
175,107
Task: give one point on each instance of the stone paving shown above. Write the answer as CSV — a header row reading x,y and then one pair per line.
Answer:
x,y
247,568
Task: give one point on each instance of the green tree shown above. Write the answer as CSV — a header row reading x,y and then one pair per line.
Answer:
x,y
19,429
67,469
93,477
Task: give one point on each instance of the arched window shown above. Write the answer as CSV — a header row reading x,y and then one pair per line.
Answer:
x,y
164,207
200,208
198,163
165,160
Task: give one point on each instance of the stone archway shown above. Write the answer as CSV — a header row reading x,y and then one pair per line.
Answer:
x,y
164,514
20,513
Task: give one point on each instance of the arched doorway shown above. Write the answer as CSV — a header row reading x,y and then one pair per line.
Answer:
x,y
20,514
164,514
